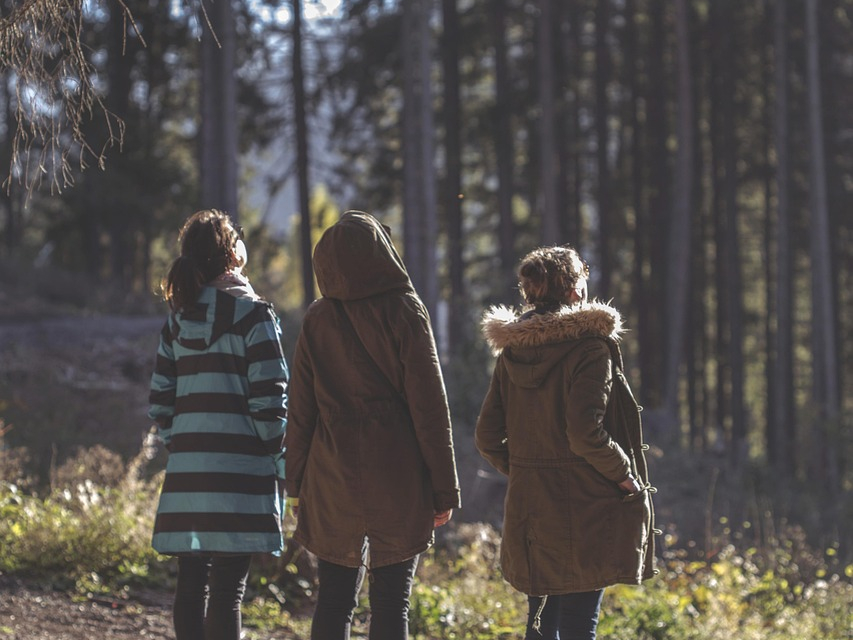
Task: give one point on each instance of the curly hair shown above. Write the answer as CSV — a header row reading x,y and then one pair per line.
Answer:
x,y
207,242
547,275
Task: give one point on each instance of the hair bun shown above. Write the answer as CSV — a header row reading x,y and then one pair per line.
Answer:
x,y
534,270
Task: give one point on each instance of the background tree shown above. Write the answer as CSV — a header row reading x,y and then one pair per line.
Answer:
x,y
302,162
219,124
453,192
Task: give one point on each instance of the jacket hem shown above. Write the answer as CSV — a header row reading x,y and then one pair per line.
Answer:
x,y
373,562
575,588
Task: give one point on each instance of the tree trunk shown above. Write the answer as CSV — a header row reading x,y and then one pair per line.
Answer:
x,y
550,231
602,111
721,384
218,130
640,236
504,149
658,205
302,159
118,100
734,287
9,198
457,322
824,358
767,257
420,218
679,238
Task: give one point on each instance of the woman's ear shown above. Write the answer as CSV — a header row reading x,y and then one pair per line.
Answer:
x,y
241,257
578,292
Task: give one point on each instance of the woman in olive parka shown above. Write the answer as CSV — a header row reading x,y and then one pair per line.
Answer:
x,y
369,448
576,519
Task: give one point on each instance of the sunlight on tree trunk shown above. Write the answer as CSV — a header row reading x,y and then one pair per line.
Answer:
x,y
302,158
218,134
824,355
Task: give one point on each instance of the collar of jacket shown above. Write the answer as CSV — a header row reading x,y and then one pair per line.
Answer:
x,y
504,327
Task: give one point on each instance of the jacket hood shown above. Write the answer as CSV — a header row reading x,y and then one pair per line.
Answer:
x,y
531,344
355,258
211,317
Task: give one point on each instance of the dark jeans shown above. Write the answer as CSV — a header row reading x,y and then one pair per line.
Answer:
x,y
390,588
208,597
571,616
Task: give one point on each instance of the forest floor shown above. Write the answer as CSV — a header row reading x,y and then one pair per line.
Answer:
x,y
30,612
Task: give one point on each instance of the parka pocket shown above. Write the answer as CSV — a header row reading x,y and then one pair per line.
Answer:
x,y
632,523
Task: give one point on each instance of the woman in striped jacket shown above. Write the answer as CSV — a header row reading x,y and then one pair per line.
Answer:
x,y
218,396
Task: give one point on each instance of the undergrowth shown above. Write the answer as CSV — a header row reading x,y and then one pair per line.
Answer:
x,y
91,536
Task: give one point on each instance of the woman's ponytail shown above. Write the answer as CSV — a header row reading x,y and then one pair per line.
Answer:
x,y
182,285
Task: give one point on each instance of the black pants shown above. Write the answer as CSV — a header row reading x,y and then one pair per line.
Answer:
x,y
209,596
570,616
390,588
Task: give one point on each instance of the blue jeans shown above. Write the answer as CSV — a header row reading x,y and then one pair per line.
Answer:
x,y
209,596
570,616
390,588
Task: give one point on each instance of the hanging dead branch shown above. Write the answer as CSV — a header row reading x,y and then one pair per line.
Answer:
x,y
54,92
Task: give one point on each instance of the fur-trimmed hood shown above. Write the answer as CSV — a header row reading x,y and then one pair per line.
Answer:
x,y
504,327
532,343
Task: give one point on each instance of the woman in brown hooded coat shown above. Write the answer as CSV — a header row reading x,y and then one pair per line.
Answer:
x,y
576,518
369,448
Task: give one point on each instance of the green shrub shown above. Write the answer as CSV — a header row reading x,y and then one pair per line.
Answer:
x,y
459,592
80,532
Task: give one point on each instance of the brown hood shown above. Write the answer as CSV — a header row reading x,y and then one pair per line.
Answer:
x,y
504,327
356,259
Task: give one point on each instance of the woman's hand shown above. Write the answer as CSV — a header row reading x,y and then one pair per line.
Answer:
x,y
630,485
441,518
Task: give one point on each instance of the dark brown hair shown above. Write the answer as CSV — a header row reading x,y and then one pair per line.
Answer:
x,y
207,242
546,275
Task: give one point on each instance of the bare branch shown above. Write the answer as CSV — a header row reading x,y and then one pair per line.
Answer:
x,y
42,53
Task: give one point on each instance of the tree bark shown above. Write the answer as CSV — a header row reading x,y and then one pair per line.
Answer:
x,y
782,391
658,204
420,218
732,263
550,232
679,237
453,197
602,111
218,130
824,356
504,149
118,99
638,174
302,159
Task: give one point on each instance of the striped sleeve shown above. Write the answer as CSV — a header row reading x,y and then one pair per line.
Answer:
x,y
268,376
164,381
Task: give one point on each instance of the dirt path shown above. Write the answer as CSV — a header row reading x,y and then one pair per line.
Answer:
x,y
27,613
30,613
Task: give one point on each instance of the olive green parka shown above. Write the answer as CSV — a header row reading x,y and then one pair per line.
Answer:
x,y
568,527
369,448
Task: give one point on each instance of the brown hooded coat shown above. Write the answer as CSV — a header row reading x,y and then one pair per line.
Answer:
x,y
369,448
568,527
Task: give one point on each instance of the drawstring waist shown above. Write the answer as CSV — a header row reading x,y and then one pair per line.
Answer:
x,y
537,619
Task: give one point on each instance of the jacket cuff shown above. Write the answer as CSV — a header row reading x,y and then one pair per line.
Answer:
x,y
446,500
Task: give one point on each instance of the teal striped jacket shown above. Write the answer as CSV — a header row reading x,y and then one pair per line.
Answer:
x,y
219,397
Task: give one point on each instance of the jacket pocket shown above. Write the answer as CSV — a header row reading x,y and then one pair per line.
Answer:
x,y
632,528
